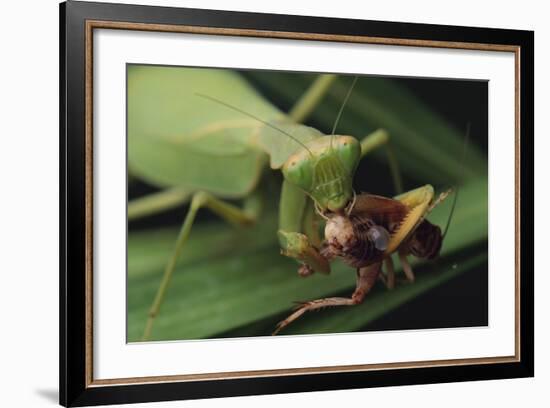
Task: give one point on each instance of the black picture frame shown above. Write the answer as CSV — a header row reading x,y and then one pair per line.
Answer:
x,y
76,387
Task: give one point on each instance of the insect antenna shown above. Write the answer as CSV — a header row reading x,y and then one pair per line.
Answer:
x,y
319,210
352,204
453,205
342,109
255,118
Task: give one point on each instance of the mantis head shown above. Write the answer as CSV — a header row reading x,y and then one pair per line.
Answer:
x,y
325,170
325,167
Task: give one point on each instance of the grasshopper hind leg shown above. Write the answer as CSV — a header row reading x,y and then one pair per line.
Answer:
x,y
366,278
407,269
389,278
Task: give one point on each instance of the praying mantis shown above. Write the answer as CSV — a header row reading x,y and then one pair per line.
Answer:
x,y
224,154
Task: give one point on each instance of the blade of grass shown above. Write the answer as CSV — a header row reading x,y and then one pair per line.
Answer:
x,y
229,278
380,301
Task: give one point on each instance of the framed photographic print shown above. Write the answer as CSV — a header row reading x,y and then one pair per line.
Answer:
x,y
256,203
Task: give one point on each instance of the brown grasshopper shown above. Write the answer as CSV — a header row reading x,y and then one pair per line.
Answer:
x,y
367,233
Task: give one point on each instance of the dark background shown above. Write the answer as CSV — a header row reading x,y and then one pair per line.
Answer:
x,y
460,103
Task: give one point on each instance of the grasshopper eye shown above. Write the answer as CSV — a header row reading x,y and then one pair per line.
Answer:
x,y
379,236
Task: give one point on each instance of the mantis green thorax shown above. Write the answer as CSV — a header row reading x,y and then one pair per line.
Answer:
x,y
325,170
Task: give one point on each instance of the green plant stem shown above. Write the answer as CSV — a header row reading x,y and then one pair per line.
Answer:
x,y
157,202
311,98
394,169
373,141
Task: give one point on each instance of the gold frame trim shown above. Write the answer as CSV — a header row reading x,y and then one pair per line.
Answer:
x,y
93,24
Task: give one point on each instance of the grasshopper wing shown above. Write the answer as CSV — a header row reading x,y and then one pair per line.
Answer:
x,y
400,215
418,202
383,211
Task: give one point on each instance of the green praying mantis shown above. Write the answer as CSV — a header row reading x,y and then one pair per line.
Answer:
x,y
223,154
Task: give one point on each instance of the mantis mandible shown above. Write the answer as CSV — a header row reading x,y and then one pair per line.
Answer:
x,y
223,155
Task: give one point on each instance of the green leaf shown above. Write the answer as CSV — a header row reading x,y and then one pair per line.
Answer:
x,y
228,278
176,137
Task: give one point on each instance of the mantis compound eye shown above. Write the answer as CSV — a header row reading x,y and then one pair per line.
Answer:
x,y
379,236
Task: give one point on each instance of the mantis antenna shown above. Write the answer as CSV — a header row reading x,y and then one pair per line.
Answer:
x,y
342,109
255,118
453,205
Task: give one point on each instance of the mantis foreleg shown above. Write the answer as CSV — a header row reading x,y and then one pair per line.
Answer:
x,y
297,235
230,213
